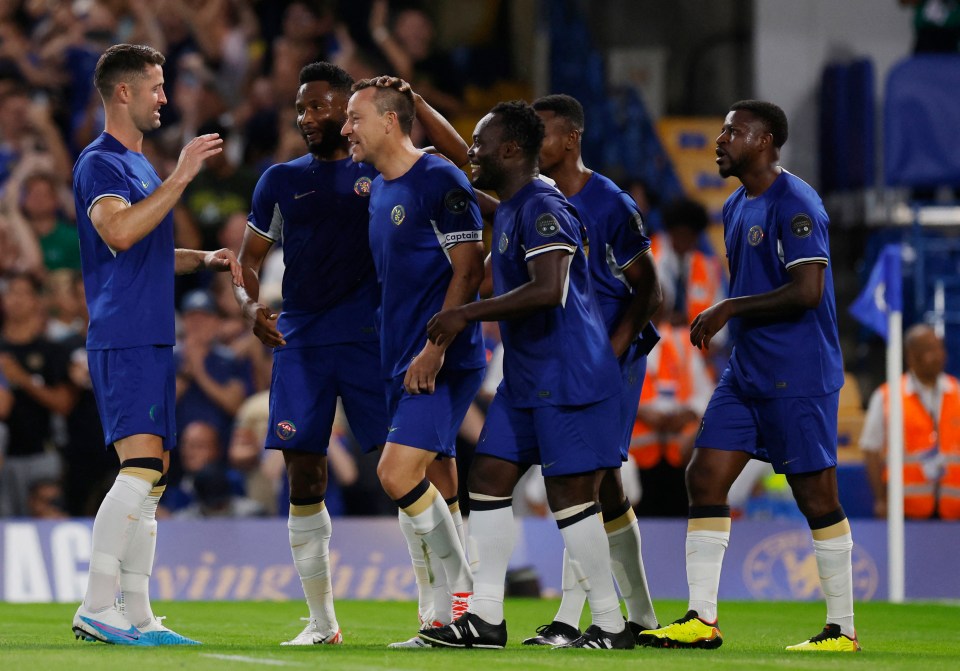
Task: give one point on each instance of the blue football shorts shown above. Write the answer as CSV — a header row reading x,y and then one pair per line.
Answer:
x,y
795,435
304,387
431,421
136,392
563,439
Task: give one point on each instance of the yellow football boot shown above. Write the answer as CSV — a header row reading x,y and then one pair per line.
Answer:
x,y
687,632
828,640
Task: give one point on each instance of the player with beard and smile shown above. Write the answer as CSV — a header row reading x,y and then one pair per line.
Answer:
x,y
325,341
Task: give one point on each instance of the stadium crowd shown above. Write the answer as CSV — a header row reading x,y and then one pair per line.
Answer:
x,y
231,68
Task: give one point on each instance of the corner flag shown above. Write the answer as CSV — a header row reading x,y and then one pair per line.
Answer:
x,y
882,294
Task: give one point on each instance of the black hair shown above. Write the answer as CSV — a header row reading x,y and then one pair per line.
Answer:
x,y
564,106
123,60
685,212
321,71
520,123
772,117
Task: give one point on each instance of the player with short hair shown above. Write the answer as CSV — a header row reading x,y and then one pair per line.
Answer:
x,y
559,402
777,400
129,261
425,235
325,337
625,282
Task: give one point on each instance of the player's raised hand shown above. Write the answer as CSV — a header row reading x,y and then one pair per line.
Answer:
x,y
195,152
224,260
389,82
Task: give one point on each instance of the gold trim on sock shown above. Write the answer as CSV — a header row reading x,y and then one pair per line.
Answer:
x,y
306,511
454,507
158,490
841,528
708,524
621,522
423,502
147,474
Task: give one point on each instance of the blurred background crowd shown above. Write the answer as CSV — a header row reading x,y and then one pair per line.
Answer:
x,y
232,68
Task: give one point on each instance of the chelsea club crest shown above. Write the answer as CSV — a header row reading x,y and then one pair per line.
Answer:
x,y
397,215
362,186
755,235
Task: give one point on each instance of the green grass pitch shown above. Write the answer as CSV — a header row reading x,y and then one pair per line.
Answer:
x,y
245,635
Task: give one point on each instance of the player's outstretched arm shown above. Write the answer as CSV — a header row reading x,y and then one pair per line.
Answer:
x,y
804,291
263,320
121,225
548,275
186,261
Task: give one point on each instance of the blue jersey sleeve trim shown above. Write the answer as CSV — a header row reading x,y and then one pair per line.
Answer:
x,y
814,259
256,230
635,257
101,197
536,251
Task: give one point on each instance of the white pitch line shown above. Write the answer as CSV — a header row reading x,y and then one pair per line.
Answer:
x,y
252,660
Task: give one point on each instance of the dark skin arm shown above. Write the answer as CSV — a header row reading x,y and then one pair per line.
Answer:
x,y
647,297
263,320
803,292
548,273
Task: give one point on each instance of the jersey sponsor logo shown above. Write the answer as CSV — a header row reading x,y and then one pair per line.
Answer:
x,y
298,196
784,566
801,225
286,430
398,214
503,243
547,225
755,235
456,200
362,186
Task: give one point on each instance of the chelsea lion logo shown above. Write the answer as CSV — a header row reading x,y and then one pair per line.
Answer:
x,y
286,430
362,186
504,241
783,566
397,215
755,235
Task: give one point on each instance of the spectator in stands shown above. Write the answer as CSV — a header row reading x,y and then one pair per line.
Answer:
x,y
214,496
675,394
34,194
212,382
263,470
931,433
66,308
936,25
45,500
36,370
200,448
26,128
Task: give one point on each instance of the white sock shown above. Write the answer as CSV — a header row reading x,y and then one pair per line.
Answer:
x,y
586,542
458,523
836,579
572,597
442,599
432,522
704,560
492,537
310,545
136,566
626,560
421,570
112,528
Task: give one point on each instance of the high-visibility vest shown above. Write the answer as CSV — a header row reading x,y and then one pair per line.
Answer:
x,y
703,278
921,495
671,378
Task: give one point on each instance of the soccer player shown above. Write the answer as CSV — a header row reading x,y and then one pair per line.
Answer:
x,y
777,400
425,230
325,339
559,402
625,282
128,259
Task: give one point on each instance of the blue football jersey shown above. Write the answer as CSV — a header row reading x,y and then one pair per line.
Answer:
x,y
414,221
765,237
317,211
129,293
560,356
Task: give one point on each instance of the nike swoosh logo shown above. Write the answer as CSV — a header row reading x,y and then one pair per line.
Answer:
x,y
298,196
392,429
298,545
145,185
546,466
130,633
